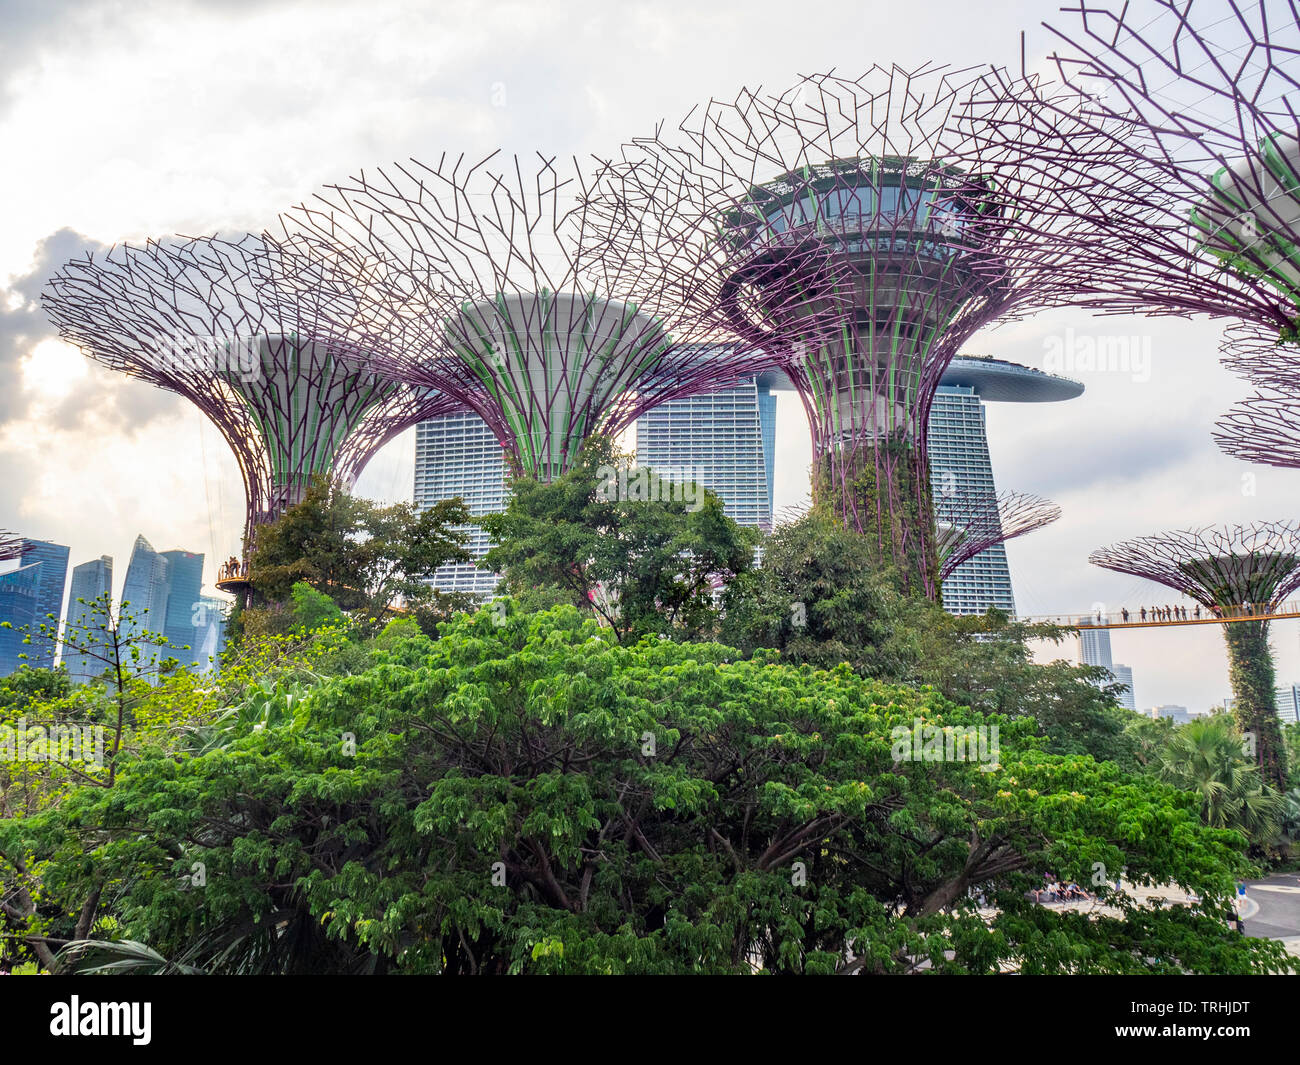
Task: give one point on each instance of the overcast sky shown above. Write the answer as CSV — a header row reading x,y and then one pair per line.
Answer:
x,y
123,121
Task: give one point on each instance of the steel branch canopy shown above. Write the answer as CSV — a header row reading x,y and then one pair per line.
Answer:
x,y
501,291
833,226
1264,428
1256,565
978,520
268,337
1239,569
1176,174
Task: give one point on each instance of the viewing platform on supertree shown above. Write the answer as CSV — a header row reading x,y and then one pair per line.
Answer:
x,y
268,337
1176,174
501,292
1225,570
975,521
844,192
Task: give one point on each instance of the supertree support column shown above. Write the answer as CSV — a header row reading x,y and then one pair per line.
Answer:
x,y
267,337
500,291
1237,571
971,522
844,189
1166,153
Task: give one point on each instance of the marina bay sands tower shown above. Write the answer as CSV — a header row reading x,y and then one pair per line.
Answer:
x,y
960,464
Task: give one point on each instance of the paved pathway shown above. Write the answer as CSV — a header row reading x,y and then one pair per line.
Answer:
x,y
1273,909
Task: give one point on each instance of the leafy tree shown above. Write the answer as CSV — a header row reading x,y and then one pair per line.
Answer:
x,y
644,562
366,558
1291,740
525,794
1206,757
1148,737
182,712
987,663
819,598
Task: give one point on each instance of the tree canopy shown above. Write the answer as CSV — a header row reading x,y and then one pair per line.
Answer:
x,y
365,557
526,794
644,554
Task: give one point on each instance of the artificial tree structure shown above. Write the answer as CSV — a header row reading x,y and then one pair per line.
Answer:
x,y
1241,571
1166,155
500,290
1265,428
972,522
268,337
832,226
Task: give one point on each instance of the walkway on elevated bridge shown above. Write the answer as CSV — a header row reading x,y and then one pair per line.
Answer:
x,y
1180,615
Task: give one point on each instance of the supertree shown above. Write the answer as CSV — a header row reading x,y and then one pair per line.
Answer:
x,y
972,522
501,292
1241,571
1264,428
1166,155
11,546
267,336
841,192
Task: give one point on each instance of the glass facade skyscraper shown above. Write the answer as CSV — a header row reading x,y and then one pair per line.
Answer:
x,y
181,614
19,595
90,581
210,632
457,455
725,441
1288,703
51,582
961,467
144,593
1094,650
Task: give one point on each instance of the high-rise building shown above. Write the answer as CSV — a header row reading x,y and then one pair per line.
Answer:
x,y
51,581
180,620
209,632
85,632
1179,715
1124,675
457,455
19,595
1094,650
1288,702
144,593
725,441
960,466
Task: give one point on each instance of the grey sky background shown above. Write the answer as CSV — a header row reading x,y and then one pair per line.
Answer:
x,y
123,121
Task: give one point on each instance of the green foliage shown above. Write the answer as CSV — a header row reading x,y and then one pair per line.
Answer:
x,y
643,566
363,557
1205,757
313,609
819,598
527,795
887,485
1254,679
